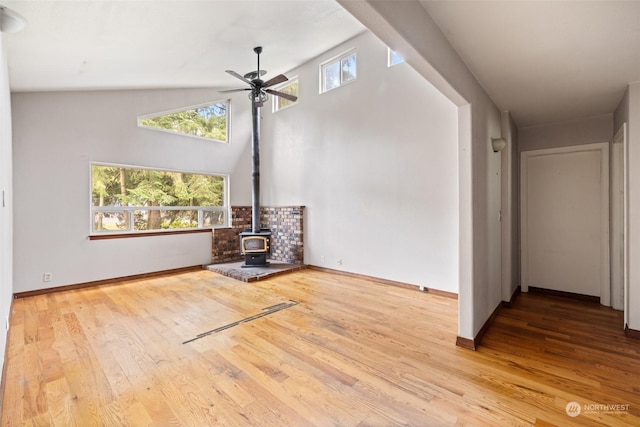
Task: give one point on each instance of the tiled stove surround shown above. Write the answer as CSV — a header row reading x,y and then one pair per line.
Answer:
x,y
285,222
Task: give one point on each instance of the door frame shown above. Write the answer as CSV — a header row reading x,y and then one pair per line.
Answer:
x,y
525,156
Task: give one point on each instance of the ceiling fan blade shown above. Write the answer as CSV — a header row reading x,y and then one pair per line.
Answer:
x,y
233,90
254,74
291,98
238,76
274,81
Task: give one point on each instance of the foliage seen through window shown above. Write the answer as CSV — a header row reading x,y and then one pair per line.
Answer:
x,y
132,199
206,121
291,88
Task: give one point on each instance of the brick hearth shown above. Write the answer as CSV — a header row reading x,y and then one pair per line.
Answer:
x,y
287,234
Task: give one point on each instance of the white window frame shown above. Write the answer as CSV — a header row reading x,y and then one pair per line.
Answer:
x,y
187,108
274,99
129,210
338,58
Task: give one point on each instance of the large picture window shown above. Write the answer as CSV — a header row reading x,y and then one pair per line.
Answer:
x,y
209,121
128,200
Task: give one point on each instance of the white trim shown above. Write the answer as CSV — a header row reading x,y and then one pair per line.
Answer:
x,y
603,147
621,138
618,221
507,227
467,326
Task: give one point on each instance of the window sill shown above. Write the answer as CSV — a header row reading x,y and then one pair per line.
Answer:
x,y
146,234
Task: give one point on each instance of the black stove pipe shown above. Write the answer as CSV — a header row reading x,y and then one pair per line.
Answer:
x,y
255,171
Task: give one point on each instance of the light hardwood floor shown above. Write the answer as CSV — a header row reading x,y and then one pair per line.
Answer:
x,y
351,353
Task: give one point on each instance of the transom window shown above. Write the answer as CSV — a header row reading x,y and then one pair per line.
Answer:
x,y
393,58
128,200
338,71
209,121
291,88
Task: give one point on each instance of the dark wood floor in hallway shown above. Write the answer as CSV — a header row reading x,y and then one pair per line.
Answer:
x,y
351,352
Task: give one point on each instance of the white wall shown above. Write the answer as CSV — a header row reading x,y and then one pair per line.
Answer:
x,y
56,136
629,111
407,27
375,164
6,205
575,132
621,115
510,209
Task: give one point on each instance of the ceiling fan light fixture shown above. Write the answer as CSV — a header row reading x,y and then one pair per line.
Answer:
x,y
258,98
11,21
258,87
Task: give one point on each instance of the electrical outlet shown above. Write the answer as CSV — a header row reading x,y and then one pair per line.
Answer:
x,y
47,277
322,259
339,262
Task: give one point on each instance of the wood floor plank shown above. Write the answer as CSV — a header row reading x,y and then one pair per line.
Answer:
x,y
352,352
59,398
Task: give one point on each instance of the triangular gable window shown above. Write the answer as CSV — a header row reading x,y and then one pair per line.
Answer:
x,y
210,121
394,58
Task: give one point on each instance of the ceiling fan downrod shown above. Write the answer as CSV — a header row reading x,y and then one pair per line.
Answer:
x,y
258,51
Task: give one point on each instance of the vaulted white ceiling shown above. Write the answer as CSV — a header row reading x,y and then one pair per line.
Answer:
x,y
82,44
545,61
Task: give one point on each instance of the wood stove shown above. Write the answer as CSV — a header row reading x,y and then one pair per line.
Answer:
x,y
255,246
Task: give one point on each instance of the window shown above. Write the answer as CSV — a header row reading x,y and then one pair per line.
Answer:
x,y
291,88
338,71
128,200
209,121
393,58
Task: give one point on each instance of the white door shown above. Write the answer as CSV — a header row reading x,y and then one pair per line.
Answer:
x,y
565,220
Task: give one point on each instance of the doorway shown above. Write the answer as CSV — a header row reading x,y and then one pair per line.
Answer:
x,y
565,220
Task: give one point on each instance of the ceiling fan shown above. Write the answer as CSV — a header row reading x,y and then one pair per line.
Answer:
x,y
258,87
